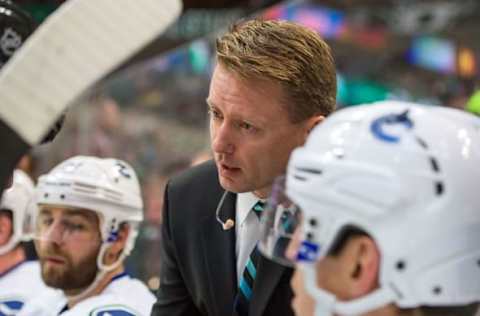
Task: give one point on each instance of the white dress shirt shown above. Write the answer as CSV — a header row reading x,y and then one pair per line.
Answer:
x,y
247,229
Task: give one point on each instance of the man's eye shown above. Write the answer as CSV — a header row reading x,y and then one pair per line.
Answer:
x,y
247,127
46,221
73,226
214,114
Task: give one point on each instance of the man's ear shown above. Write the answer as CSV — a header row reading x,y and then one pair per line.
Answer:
x,y
314,121
6,228
118,245
361,259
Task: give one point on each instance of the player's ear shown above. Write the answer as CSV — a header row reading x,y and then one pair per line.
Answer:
x,y
362,259
310,123
116,248
314,121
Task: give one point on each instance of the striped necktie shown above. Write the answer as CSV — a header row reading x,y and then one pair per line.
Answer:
x,y
245,290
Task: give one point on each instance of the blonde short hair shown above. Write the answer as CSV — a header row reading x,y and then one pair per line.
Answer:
x,y
286,53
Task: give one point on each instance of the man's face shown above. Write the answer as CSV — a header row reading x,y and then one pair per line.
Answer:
x,y
251,135
67,242
330,272
6,229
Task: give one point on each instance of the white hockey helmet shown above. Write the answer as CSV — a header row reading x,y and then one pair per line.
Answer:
x,y
108,187
17,199
405,174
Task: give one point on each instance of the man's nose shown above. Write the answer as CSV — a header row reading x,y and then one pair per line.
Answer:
x,y
55,233
222,139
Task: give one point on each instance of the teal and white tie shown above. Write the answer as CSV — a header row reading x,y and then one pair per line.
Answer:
x,y
249,274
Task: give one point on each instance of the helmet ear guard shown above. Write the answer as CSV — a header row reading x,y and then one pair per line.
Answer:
x,y
406,175
18,200
114,235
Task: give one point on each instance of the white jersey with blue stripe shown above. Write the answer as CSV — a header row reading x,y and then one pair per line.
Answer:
x,y
19,285
124,296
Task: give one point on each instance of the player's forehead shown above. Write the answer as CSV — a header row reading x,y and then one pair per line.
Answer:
x,y
68,212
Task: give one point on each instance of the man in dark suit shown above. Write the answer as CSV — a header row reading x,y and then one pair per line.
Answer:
x,y
273,82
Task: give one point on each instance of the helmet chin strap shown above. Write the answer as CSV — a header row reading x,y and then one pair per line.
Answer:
x,y
326,303
74,299
101,273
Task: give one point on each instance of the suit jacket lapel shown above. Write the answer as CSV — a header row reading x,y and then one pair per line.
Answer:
x,y
219,257
268,276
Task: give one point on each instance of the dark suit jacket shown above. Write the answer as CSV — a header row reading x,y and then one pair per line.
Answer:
x,y
198,263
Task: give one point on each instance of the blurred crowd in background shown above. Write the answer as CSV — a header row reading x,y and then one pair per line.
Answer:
x,y
152,112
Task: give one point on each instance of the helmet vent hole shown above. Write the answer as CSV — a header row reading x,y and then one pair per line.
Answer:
x,y
45,195
478,262
310,170
434,164
439,188
309,236
300,177
421,142
62,196
116,180
313,222
339,153
437,290
400,265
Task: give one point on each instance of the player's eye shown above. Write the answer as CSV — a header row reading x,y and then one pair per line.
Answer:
x,y
73,226
214,114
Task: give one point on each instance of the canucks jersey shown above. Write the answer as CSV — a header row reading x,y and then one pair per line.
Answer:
x,y
124,296
19,285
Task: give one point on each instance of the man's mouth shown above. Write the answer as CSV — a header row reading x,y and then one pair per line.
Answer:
x,y
55,260
224,168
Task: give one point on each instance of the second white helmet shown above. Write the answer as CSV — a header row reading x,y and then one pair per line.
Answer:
x,y
18,200
108,187
405,174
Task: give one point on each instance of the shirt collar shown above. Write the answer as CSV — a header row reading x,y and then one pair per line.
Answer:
x,y
245,202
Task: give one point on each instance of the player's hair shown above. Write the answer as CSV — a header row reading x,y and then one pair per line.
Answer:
x,y
345,235
289,54
465,310
7,213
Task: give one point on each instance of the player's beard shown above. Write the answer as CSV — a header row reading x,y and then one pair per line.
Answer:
x,y
69,276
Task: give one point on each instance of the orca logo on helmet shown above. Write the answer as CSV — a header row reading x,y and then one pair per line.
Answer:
x,y
378,126
10,41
